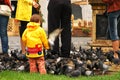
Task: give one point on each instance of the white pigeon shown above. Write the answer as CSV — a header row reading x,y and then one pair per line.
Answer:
x,y
53,35
21,68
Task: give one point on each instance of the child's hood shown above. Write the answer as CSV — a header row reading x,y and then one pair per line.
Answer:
x,y
32,25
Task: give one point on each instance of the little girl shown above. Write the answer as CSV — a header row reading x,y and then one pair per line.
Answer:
x,y
35,39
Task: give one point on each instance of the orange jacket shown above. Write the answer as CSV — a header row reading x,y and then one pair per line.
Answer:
x,y
35,39
112,5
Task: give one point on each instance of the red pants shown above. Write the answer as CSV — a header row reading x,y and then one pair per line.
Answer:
x,y
37,64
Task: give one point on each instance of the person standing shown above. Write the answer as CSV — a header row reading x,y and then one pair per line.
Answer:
x,y
35,39
3,27
59,16
23,14
113,12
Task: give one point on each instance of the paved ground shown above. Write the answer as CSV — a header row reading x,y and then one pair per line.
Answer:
x,y
81,41
14,42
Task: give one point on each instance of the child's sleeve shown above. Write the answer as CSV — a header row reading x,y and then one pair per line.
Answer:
x,y
44,39
24,36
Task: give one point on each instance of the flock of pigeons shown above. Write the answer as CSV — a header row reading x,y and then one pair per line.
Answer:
x,y
86,62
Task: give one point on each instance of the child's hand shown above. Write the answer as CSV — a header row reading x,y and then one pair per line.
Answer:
x,y
22,56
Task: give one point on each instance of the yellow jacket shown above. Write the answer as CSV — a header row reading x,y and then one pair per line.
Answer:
x,y
24,10
34,36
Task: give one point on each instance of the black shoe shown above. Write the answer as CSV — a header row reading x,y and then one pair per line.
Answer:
x,y
116,61
65,55
6,54
118,52
1,53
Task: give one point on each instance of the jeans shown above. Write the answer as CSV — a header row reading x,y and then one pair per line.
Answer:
x,y
113,20
3,33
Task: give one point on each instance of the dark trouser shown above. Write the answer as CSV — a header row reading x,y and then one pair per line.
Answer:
x,y
59,16
22,27
24,23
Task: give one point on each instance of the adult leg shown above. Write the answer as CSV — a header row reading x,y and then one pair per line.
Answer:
x,y
66,25
115,44
21,30
3,33
54,12
113,22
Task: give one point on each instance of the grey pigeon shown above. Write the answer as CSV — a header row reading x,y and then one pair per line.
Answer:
x,y
89,73
103,67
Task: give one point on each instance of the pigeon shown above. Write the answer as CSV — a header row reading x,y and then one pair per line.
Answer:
x,y
2,67
110,56
118,52
75,73
89,73
116,61
21,68
53,35
103,67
